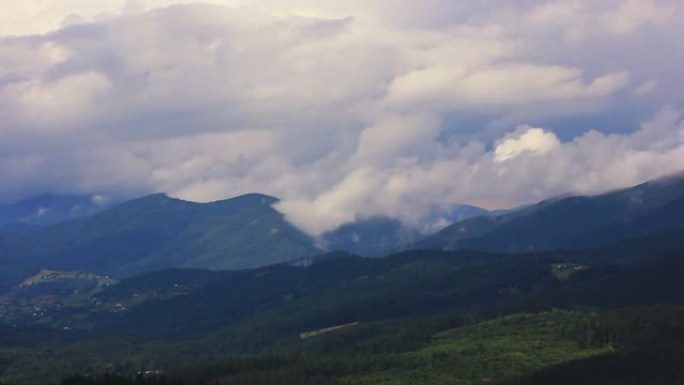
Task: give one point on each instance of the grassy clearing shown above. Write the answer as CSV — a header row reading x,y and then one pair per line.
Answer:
x,y
489,352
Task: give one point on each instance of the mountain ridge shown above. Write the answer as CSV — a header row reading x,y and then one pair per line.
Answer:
x,y
569,221
158,231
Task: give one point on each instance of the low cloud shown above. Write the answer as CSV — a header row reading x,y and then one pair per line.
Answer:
x,y
528,165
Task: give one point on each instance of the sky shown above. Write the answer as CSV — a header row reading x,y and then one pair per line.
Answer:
x,y
344,110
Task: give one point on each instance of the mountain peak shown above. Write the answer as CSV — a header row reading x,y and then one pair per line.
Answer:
x,y
252,200
161,199
256,198
159,231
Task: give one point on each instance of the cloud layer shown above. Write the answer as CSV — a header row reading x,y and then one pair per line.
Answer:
x,y
344,111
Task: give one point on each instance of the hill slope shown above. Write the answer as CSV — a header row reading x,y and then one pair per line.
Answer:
x,y
572,222
390,309
380,236
158,232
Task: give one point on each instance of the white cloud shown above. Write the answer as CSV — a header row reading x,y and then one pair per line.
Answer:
x,y
535,141
633,14
58,104
590,163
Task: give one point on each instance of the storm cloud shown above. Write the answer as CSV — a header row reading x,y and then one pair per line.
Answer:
x,y
343,110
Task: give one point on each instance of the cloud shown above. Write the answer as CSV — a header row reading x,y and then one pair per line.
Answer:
x,y
633,14
57,104
343,110
528,165
533,140
508,85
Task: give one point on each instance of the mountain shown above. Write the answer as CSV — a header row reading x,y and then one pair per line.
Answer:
x,y
45,210
462,212
157,232
380,236
371,237
604,313
331,291
572,222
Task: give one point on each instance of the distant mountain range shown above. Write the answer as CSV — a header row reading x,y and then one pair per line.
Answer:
x,y
572,222
157,232
379,236
160,232
47,209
